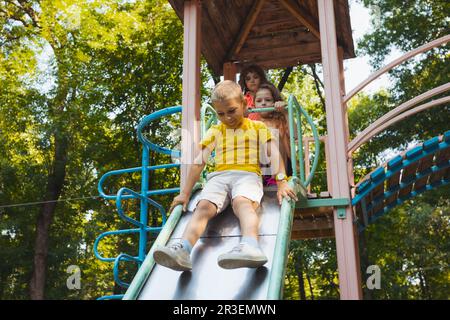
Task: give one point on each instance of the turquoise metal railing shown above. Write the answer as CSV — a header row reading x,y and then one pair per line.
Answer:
x,y
143,196
295,111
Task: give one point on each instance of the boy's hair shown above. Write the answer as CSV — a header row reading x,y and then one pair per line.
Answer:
x,y
226,90
251,68
276,95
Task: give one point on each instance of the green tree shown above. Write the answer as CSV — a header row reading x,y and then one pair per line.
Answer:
x,y
110,64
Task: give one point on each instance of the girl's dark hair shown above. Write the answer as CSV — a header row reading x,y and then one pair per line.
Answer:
x,y
251,68
276,95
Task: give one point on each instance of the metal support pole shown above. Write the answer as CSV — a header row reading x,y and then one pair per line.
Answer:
x,y
345,231
190,123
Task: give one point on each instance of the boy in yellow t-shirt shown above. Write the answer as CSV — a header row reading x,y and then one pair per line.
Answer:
x,y
237,142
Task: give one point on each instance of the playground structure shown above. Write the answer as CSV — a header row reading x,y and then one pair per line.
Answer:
x,y
292,32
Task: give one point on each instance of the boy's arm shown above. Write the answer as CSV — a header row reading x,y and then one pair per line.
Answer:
x,y
194,171
284,190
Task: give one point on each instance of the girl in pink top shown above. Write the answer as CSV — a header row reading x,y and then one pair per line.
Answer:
x,y
250,79
268,96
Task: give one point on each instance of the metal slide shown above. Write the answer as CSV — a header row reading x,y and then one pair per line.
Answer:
x,y
207,280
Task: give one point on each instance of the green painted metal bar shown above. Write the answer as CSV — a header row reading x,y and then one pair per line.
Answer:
x,y
331,202
257,110
203,110
301,157
148,264
291,134
277,272
316,141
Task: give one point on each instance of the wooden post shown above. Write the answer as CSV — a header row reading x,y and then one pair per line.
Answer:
x,y
345,231
229,71
190,123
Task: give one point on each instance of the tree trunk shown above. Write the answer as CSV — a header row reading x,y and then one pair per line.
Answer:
x,y
55,182
301,281
285,78
318,84
308,278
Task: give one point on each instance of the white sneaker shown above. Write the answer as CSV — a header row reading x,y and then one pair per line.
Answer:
x,y
175,257
242,256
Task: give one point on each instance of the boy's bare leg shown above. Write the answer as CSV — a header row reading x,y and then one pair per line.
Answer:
x,y
245,211
196,226
248,254
177,255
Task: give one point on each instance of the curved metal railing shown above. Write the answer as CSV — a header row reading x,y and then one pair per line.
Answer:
x,y
404,110
393,64
387,199
143,196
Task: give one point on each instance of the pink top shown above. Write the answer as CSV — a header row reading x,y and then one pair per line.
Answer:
x,y
251,105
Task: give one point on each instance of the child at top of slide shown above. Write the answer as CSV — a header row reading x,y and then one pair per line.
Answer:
x,y
250,79
266,97
236,180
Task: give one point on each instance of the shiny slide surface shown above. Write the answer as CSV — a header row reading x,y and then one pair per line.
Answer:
x,y
207,280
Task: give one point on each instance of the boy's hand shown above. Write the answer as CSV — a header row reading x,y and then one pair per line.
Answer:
x,y
180,199
284,190
279,106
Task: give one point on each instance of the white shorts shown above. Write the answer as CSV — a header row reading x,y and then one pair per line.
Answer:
x,y
223,186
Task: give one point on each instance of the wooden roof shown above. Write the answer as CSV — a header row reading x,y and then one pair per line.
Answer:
x,y
271,33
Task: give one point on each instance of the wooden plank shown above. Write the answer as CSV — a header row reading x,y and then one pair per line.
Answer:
x,y
316,224
376,193
276,63
305,37
311,5
216,23
345,39
437,176
440,157
213,51
312,234
276,27
245,30
406,174
285,39
307,213
392,182
303,15
284,52
368,199
424,164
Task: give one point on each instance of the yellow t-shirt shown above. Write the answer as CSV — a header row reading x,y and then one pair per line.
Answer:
x,y
237,149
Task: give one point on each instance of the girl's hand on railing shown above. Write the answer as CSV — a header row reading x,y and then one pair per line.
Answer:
x,y
180,199
285,190
280,106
